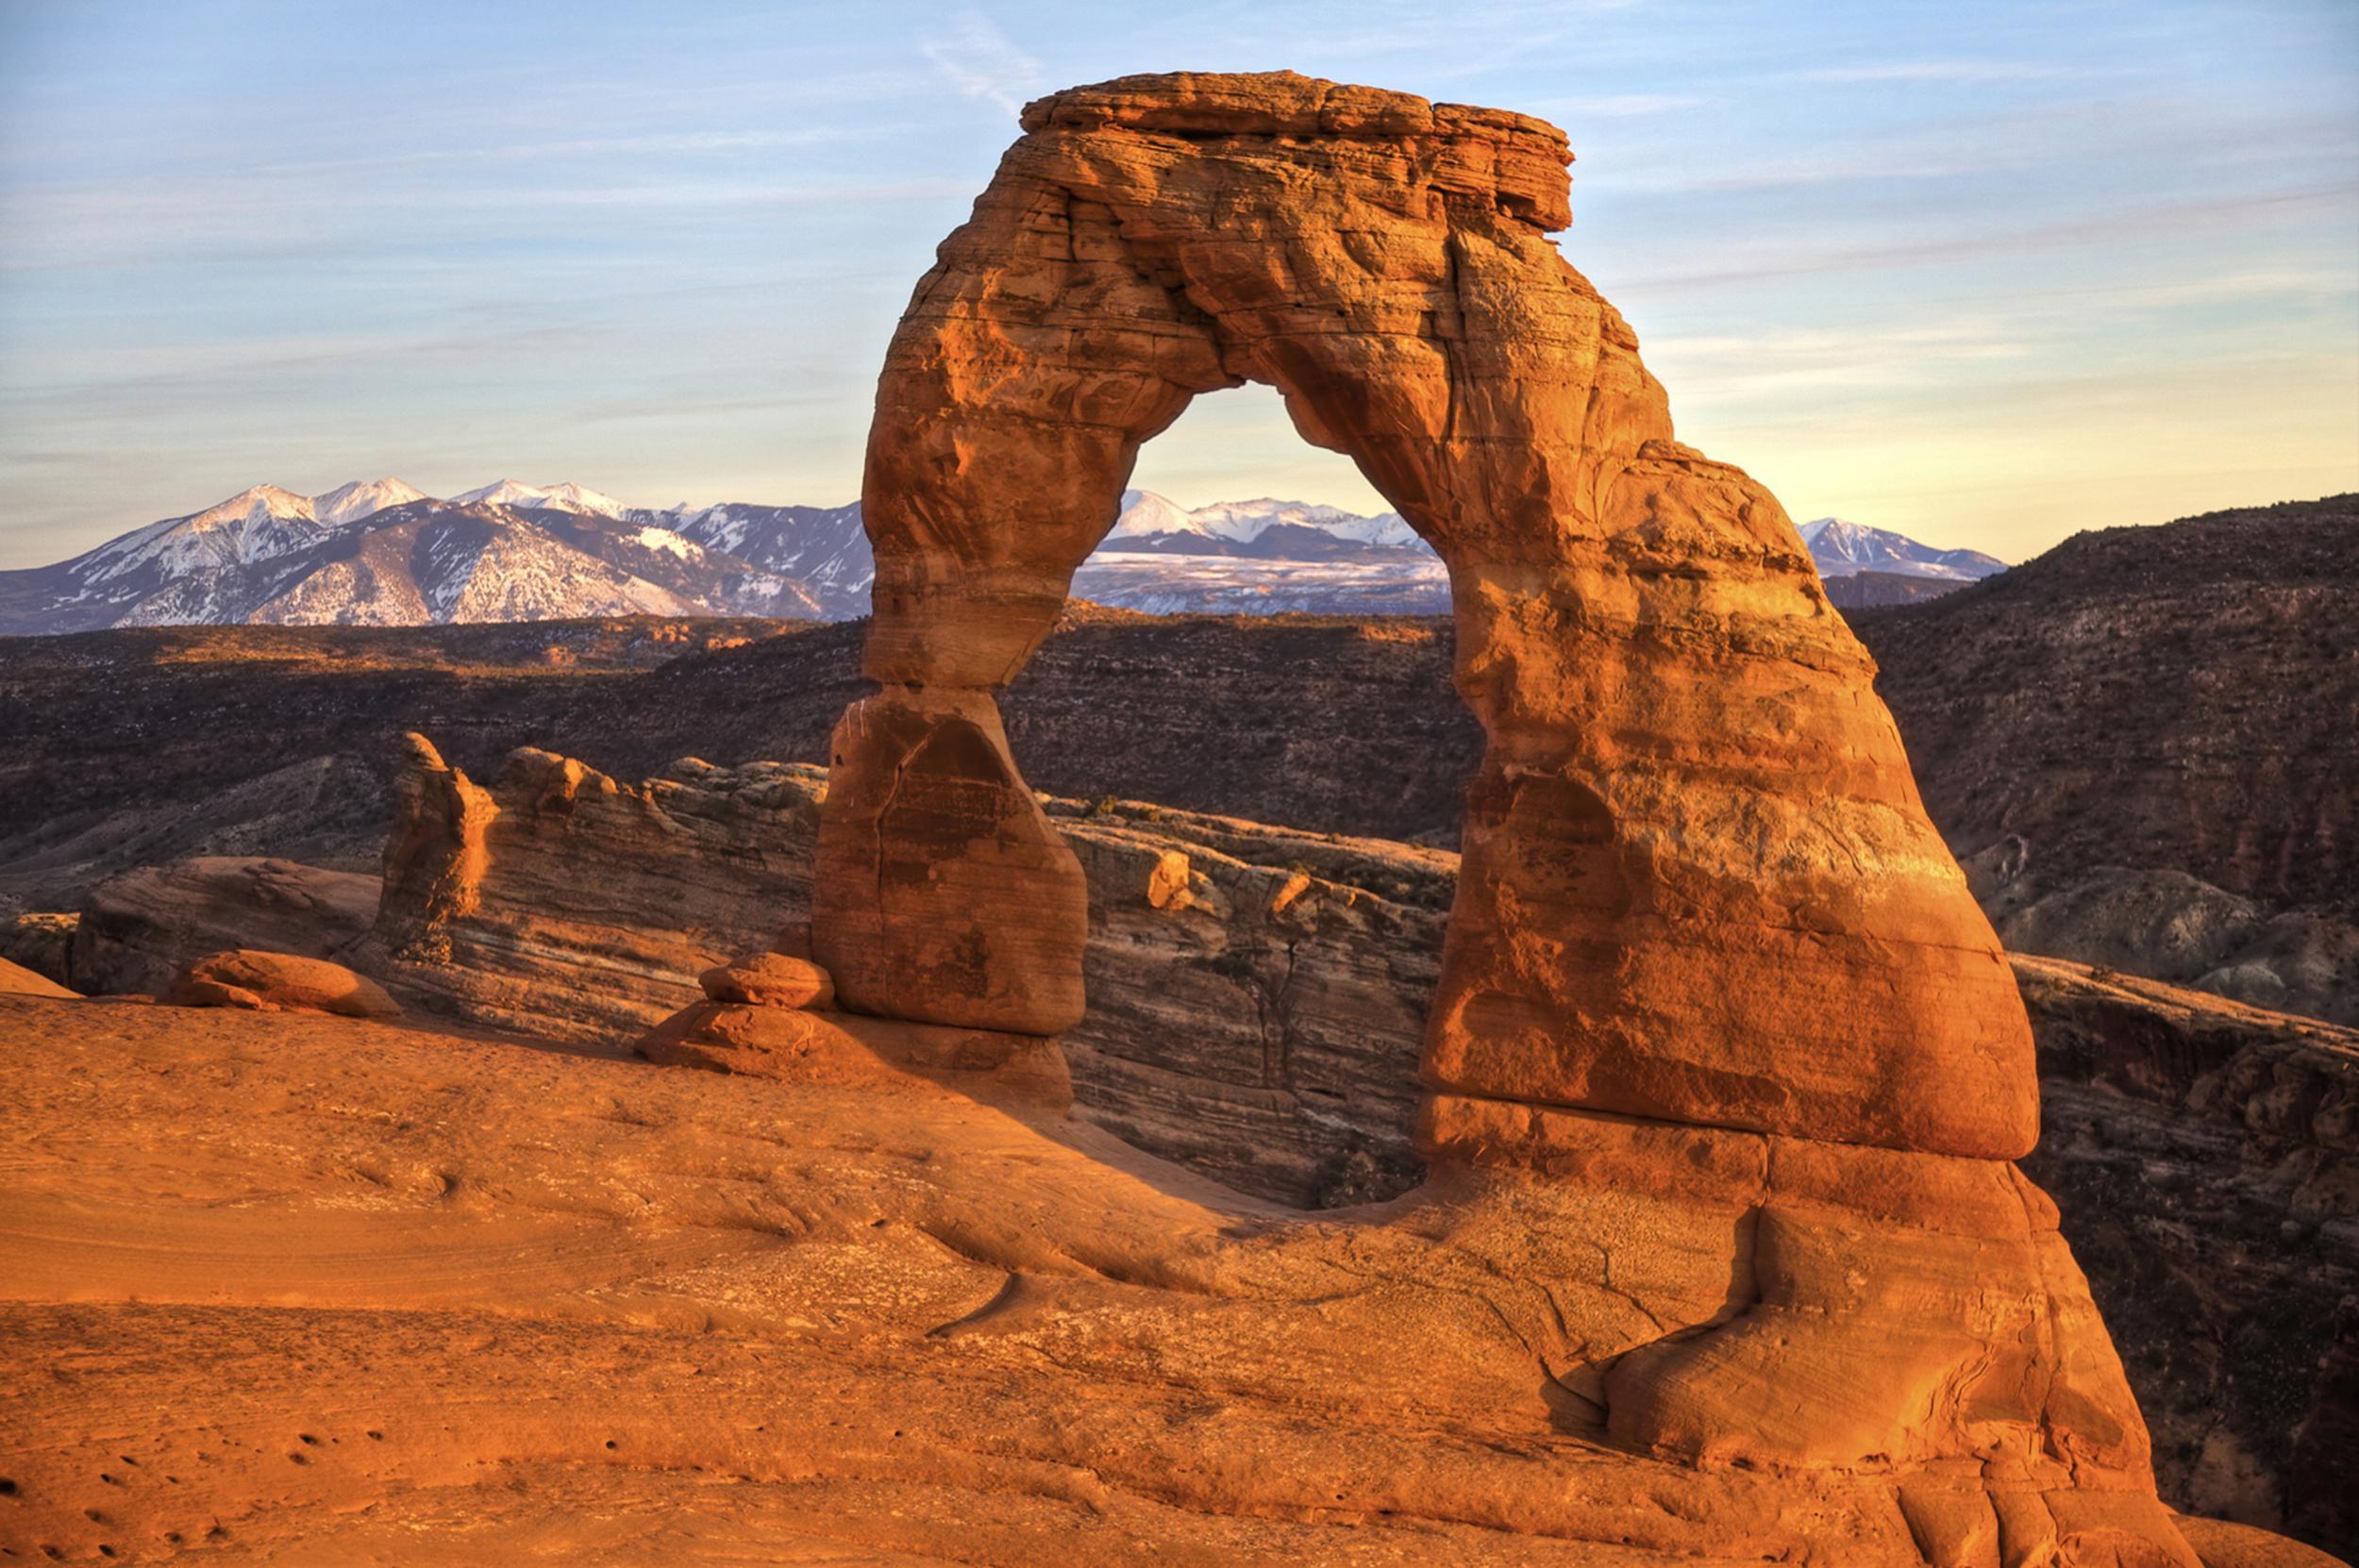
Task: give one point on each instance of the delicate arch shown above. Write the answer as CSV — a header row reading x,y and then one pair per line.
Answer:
x,y
1699,885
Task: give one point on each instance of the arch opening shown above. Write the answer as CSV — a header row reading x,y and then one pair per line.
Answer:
x,y
1249,519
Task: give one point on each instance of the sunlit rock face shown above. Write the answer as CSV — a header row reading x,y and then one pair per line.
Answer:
x,y
1710,978
1699,884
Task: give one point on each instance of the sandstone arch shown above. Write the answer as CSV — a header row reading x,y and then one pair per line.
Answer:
x,y
1699,885
1709,973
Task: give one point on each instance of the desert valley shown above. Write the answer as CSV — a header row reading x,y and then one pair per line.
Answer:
x,y
1014,1020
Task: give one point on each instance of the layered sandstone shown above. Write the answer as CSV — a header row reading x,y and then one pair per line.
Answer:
x,y
140,930
2206,1155
559,903
1256,994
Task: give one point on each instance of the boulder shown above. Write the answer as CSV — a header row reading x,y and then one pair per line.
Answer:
x,y
842,1050
769,980
280,982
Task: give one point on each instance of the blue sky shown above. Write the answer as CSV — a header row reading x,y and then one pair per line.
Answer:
x,y
1986,273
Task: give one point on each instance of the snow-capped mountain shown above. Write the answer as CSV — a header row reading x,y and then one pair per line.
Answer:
x,y
382,553
1264,529
825,548
1840,549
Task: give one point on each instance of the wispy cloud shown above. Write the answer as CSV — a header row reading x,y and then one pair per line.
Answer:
x,y
596,147
2110,231
1617,106
1982,72
982,62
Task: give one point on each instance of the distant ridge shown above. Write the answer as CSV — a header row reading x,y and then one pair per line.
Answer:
x,y
1864,567
382,551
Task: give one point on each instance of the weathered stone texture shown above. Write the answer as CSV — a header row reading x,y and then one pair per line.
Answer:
x,y
561,903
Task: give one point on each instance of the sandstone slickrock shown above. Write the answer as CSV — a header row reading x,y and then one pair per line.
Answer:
x,y
140,928
279,981
1274,1049
395,1304
1700,885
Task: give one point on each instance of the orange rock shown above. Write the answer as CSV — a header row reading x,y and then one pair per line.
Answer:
x,y
17,980
793,940
769,980
559,900
940,891
435,856
280,982
1699,884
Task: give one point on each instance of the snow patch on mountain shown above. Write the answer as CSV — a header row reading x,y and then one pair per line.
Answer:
x,y
652,538
363,498
560,497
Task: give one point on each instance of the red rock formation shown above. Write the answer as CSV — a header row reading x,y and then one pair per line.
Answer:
x,y
1700,885
988,935
560,903
1708,956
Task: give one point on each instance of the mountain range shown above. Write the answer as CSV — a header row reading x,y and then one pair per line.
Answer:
x,y
383,553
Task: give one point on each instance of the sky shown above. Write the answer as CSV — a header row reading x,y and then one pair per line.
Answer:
x,y
1987,274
